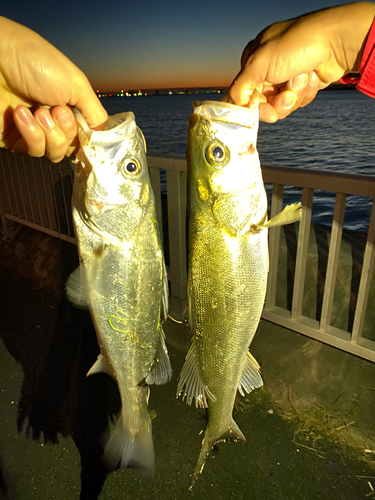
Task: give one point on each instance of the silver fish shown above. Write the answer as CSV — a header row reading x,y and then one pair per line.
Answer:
x,y
122,276
228,262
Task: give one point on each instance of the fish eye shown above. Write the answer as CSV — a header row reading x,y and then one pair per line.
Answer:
x,y
216,154
132,167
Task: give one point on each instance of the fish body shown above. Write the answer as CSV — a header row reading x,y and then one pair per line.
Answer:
x,y
122,276
228,263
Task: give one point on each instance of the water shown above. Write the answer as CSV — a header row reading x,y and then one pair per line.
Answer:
x,y
334,133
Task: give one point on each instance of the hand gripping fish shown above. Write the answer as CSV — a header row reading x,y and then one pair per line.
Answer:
x,y
228,262
122,276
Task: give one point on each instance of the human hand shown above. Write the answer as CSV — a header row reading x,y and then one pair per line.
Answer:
x,y
38,85
290,61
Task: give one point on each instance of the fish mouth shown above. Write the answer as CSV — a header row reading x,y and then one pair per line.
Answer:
x,y
96,207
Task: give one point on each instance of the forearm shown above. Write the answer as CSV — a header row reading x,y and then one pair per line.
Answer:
x,y
351,23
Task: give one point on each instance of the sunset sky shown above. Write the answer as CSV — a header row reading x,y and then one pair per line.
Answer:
x,y
128,44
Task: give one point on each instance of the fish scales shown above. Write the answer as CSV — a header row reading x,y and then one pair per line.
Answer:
x,y
228,262
122,276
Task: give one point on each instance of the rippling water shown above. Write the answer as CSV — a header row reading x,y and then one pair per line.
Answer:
x,y
334,133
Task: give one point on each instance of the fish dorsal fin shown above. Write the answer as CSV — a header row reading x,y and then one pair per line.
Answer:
x,y
250,376
76,288
100,365
190,382
161,371
291,213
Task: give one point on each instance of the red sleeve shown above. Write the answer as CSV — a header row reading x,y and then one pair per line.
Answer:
x,y
366,79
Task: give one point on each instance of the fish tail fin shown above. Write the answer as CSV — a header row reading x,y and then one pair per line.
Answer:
x,y
125,449
208,443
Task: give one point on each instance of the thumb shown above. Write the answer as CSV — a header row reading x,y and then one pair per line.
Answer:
x,y
90,107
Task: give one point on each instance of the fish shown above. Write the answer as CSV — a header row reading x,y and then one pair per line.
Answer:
x,y
228,263
122,277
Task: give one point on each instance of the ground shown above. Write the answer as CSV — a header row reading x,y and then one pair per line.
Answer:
x,y
53,417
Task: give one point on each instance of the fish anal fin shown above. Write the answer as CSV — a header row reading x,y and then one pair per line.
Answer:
x,y
191,384
250,376
161,371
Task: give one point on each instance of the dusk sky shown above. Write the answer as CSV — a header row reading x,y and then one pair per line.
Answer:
x,y
132,44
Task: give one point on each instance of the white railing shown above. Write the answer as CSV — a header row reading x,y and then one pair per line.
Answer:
x,y
37,193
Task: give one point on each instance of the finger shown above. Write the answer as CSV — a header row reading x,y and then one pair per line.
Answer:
x,y
64,118
56,141
284,103
31,139
311,90
267,113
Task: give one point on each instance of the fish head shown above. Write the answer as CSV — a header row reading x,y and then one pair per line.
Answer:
x,y
113,172
224,166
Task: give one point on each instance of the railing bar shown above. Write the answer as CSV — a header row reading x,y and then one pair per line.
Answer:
x,y
302,249
20,189
274,246
60,171
361,185
333,340
42,170
365,282
28,190
333,260
155,182
43,229
33,169
5,181
176,188
54,198
14,189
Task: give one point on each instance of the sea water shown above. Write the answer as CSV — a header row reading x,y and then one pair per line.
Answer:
x,y
334,133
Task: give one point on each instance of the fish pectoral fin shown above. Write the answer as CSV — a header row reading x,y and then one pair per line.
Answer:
x,y
161,371
100,365
76,288
291,213
250,376
190,382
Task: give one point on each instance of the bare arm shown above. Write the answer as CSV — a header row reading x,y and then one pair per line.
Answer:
x,y
292,60
38,84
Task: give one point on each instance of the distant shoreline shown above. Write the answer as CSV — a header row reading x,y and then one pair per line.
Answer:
x,y
194,90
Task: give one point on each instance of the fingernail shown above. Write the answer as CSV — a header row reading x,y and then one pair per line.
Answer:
x,y
25,116
64,118
45,120
313,79
288,100
299,82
